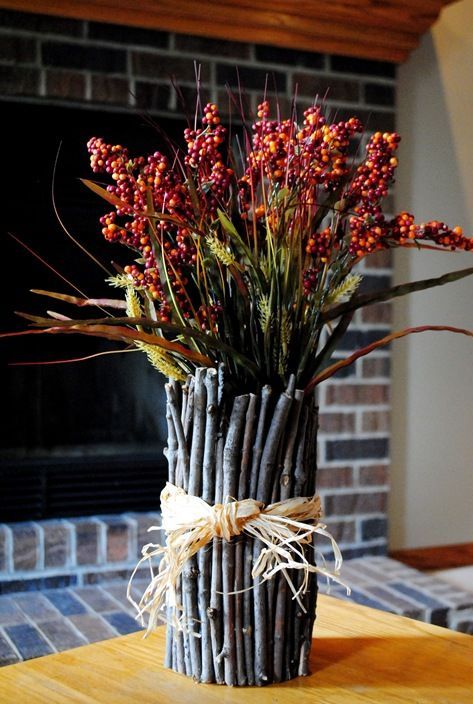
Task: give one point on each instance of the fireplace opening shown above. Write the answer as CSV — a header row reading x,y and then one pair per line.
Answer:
x,y
78,438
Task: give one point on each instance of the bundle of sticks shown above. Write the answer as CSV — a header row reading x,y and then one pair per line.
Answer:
x,y
240,630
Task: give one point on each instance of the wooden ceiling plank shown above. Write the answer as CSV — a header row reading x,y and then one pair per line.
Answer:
x,y
382,17
419,5
309,25
217,13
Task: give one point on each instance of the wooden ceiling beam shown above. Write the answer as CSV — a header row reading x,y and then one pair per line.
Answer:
x,y
363,28
408,17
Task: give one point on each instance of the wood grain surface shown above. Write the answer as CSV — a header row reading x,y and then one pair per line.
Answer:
x,y
359,655
439,557
386,30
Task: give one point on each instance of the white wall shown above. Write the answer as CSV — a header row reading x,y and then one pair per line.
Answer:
x,y
432,449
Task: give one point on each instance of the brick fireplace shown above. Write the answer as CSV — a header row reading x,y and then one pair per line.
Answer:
x,y
123,74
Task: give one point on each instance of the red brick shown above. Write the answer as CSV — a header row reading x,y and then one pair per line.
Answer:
x,y
374,475
334,477
144,521
65,84
227,106
186,100
348,504
357,394
117,539
87,537
18,80
25,546
56,544
92,627
342,531
214,47
377,313
332,88
83,57
17,49
110,90
277,101
61,634
376,366
344,450
337,422
251,77
376,421
159,66
379,260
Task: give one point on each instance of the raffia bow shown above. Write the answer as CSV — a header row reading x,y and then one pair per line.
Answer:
x,y
190,523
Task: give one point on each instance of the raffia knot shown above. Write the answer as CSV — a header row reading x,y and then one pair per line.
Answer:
x,y
229,519
284,529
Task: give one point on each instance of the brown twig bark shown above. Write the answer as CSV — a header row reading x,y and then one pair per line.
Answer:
x,y
256,446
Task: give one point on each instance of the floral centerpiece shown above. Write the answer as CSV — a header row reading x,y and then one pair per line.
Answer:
x,y
242,285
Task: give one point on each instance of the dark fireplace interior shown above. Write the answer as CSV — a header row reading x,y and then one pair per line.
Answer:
x,y
86,437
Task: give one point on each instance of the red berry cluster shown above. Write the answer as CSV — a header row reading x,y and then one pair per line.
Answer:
x,y
297,183
375,174
204,157
316,154
319,245
323,148
208,316
140,182
310,280
367,230
403,229
370,184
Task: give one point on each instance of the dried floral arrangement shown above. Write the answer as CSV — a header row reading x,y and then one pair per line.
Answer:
x,y
247,258
245,262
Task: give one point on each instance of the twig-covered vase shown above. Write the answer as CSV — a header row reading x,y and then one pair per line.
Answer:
x,y
240,630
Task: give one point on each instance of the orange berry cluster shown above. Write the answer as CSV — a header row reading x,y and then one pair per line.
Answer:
x,y
375,174
403,230
150,183
368,187
139,184
297,182
316,154
205,158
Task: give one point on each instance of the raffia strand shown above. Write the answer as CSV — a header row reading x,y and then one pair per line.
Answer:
x,y
190,523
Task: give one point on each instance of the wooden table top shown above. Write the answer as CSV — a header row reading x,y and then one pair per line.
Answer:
x,y
359,655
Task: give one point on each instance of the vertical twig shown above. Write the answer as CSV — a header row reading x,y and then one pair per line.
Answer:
x,y
308,623
281,630
170,452
271,446
263,660
182,466
177,475
248,439
215,609
231,467
243,562
196,406
189,411
184,397
198,433
259,440
310,461
189,589
182,653
204,556
300,472
210,447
